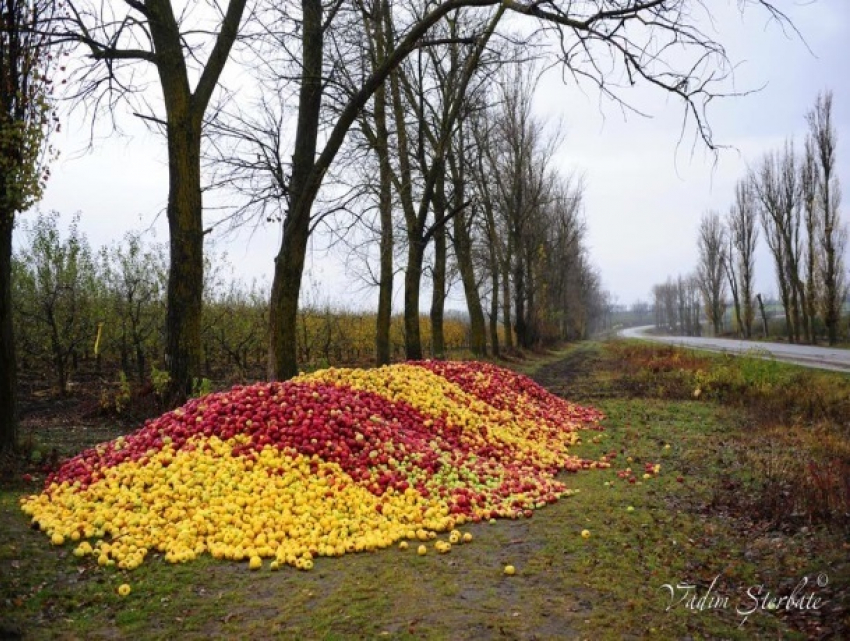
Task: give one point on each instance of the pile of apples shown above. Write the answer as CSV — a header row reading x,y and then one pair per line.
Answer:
x,y
337,461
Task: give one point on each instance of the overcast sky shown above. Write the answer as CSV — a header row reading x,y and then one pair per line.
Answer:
x,y
645,192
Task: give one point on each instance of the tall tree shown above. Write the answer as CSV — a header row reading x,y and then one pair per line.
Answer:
x,y
833,235
710,269
26,120
383,346
776,185
809,175
743,236
149,32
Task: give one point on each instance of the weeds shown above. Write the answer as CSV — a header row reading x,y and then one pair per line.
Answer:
x,y
116,400
796,451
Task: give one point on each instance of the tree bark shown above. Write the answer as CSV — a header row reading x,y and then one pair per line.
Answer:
x,y
412,278
463,250
184,118
438,293
733,279
8,361
495,270
289,263
383,347
385,293
184,294
763,314
519,298
506,299
494,313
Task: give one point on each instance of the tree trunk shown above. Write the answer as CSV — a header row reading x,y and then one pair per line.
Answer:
x,y
494,314
747,295
413,272
494,281
785,296
412,279
385,303
732,277
531,321
831,243
794,293
438,293
289,263
832,312
58,356
140,362
184,294
184,116
383,321
519,301
804,309
8,362
506,301
463,250
763,314
811,292
383,348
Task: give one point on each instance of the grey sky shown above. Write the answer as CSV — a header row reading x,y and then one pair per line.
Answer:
x,y
645,192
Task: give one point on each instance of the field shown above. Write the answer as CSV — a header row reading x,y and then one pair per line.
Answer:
x,y
752,502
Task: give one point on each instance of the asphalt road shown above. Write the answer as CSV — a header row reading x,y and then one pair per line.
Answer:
x,y
805,355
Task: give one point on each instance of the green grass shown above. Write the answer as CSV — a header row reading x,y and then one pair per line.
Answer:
x,y
608,586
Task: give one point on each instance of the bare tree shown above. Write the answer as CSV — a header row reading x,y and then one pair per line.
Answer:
x,y
667,313
120,38
743,236
710,269
833,235
809,176
677,305
776,184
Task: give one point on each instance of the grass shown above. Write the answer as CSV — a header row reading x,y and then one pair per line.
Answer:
x,y
607,586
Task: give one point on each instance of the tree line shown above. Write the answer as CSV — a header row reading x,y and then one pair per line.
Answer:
x,y
791,199
81,310
435,95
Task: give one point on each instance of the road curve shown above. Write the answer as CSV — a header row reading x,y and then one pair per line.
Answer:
x,y
806,355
